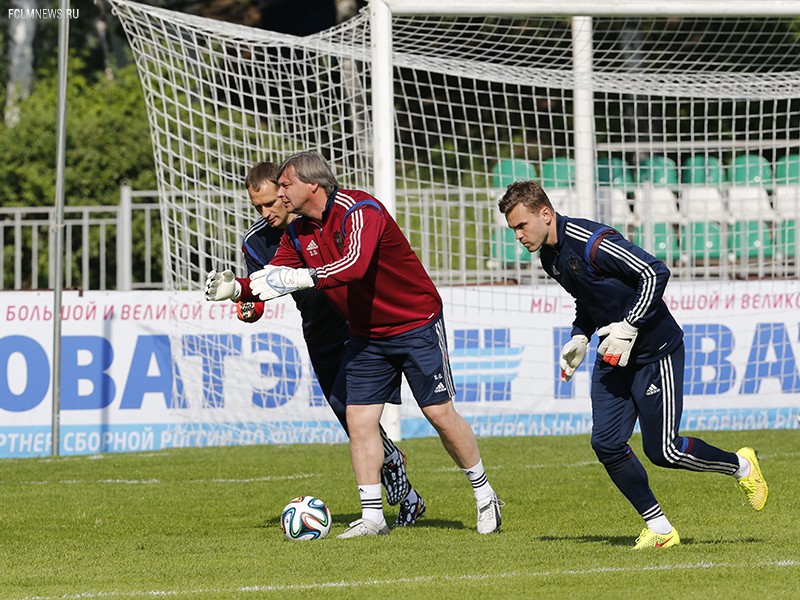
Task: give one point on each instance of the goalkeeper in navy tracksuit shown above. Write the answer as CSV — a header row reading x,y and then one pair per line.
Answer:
x,y
324,329
638,372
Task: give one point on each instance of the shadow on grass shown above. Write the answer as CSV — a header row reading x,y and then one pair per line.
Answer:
x,y
614,540
618,540
346,519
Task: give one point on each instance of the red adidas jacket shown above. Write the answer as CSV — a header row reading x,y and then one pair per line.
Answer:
x,y
364,264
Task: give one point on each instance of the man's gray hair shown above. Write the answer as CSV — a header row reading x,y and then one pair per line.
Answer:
x,y
311,167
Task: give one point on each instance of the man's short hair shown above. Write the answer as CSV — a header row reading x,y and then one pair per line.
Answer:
x,y
311,167
260,174
528,193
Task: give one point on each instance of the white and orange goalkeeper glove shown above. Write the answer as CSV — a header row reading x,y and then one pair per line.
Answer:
x,y
618,343
572,356
271,281
222,286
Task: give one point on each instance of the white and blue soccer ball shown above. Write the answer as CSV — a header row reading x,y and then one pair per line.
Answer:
x,y
306,518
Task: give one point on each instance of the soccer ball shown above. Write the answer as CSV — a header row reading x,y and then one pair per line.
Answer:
x,y
306,518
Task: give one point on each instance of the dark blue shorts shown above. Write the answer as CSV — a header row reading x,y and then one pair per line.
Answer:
x,y
375,367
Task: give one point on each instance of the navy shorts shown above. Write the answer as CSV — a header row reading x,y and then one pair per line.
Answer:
x,y
375,367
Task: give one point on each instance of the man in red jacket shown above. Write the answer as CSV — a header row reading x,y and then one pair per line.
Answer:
x,y
345,243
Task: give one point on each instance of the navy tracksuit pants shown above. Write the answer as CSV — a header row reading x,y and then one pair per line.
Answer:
x,y
653,394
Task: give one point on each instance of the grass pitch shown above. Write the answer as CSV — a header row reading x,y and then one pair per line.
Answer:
x,y
204,523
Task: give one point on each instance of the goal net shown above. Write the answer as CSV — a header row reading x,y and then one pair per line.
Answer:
x,y
681,132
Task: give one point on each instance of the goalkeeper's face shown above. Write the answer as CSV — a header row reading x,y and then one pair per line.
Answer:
x,y
533,228
268,205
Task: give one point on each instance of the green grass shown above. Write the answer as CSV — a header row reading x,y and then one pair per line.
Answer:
x,y
204,523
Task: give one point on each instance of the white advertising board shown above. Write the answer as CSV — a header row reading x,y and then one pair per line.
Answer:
x,y
152,370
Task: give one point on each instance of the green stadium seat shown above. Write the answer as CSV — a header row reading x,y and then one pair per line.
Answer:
x,y
749,238
702,240
750,170
506,250
787,170
786,242
508,170
702,170
660,171
665,241
558,172
614,172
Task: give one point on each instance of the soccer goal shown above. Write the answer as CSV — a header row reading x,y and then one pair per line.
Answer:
x,y
677,123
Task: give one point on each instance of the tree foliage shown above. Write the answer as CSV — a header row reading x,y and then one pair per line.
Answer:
x,y
108,141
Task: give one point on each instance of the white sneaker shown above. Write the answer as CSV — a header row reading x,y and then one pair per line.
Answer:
x,y
363,527
489,514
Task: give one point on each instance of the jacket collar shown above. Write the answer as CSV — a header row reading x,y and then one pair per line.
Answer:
x,y
561,232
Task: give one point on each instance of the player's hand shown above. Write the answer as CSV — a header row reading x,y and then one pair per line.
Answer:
x,y
222,286
249,312
271,281
572,356
618,343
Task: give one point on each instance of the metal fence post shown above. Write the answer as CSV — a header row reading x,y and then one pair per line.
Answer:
x,y
125,239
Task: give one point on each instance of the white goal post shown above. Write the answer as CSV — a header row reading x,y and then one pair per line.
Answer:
x,y
382,11
678,123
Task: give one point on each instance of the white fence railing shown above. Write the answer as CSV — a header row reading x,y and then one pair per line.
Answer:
x,y
457,234
105,247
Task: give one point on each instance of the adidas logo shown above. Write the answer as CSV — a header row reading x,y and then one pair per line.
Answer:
x,y
312,248
652,390
440,388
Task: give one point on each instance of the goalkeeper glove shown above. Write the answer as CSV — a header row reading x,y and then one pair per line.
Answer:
x,y
572,356
616,347
249,312
222,286
271,281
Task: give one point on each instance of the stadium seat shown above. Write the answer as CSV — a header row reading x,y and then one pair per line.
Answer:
x,y
616,209
615,180
664,240
753,217
787,201
702,240
558,172
786,243
702,170
506,250
703,203
614,172
749,239
507,171
703,207
750,170
563,199
787,170
660,171
657,204
750,203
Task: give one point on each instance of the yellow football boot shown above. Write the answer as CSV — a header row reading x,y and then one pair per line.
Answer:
x,y
651,539
754,485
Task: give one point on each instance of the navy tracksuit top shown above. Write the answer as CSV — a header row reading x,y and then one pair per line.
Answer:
x,y
612,279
